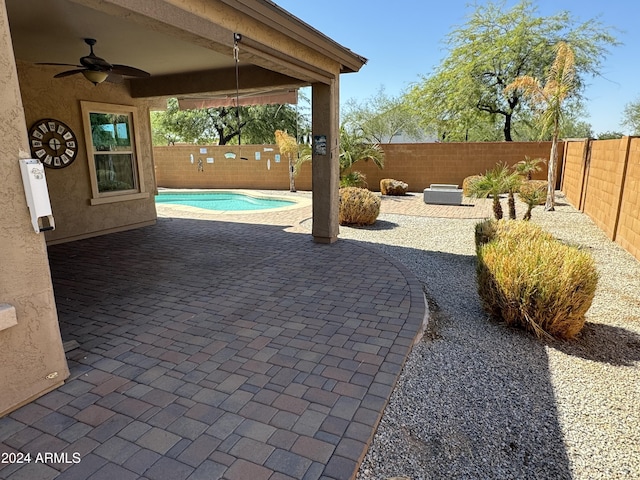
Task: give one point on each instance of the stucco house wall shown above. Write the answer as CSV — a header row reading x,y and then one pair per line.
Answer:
x,y
31,356
70,188
32,359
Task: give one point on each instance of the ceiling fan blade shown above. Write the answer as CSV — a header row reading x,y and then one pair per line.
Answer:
x,y
59,64
93,63
69,72
129,71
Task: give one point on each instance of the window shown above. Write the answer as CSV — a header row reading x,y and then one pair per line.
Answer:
x,y
116,173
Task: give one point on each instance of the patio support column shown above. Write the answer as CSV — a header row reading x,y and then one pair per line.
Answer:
x,y
325,166
32,359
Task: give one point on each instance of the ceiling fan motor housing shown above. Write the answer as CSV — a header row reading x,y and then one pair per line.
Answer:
x,y
92,61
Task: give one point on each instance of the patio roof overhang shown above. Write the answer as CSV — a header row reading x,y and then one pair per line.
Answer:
x,y
186,45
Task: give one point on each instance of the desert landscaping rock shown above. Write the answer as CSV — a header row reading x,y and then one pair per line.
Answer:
x,y
479,400
389,186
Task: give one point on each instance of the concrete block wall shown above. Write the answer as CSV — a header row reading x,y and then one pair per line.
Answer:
x,y
419,165
211,168
575,161
628,234
604,183
602,179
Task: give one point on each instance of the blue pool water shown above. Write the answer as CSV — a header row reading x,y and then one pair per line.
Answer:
x,y
221,201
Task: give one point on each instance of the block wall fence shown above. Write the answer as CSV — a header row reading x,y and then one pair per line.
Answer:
x,y
417,164
602,179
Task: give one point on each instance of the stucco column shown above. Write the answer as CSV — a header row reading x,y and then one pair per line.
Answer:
x,y
326,167
32,359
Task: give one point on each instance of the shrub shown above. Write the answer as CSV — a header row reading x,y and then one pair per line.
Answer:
x,y
389,186
531,280
489,230
466,184
358,206
529,187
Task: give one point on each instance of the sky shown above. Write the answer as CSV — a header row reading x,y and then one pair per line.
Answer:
x,y
403,41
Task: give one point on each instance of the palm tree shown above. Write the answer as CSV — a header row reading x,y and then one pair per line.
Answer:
x,y
531,197
512,184
288,146
492,183
528,166
353,148
547,100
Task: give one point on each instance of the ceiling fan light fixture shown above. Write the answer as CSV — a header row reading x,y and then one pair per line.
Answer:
x,y
94,76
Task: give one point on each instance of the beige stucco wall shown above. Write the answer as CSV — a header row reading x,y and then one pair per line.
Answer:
x,y
70,188
31,356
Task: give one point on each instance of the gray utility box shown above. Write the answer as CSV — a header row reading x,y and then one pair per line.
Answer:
x,y
443,194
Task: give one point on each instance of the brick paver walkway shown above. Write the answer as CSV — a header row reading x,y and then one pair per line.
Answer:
x,y
211,349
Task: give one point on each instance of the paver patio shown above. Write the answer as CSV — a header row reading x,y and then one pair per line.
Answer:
x,y
212,349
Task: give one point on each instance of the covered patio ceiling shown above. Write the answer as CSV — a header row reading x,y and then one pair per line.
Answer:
x,y
186,53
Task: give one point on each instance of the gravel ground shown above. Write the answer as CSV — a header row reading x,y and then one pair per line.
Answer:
x,y
479,400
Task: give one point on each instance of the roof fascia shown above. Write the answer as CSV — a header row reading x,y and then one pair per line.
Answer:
x,y
268,13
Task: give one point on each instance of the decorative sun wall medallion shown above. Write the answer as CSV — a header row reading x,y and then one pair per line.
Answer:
x,y
53,143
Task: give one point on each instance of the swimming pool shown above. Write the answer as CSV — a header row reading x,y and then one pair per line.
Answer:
x,y
221,201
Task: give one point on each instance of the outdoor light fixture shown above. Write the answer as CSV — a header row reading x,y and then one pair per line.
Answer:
x,y
94,76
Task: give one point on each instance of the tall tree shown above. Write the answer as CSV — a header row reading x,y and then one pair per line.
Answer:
x,y
180,126
631,116
547,100
254,124
488,52
380,118
261,121
609,135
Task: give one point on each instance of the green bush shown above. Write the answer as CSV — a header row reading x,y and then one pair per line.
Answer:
x,y
358,206
353,179
531,280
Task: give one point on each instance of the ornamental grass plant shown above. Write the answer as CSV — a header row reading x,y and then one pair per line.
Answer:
x,y
530,280
490,230
532,187
358,206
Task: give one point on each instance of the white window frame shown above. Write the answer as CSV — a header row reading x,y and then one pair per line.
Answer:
x,y
139,191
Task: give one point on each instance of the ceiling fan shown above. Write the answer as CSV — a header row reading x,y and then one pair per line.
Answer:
x,y
96,69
